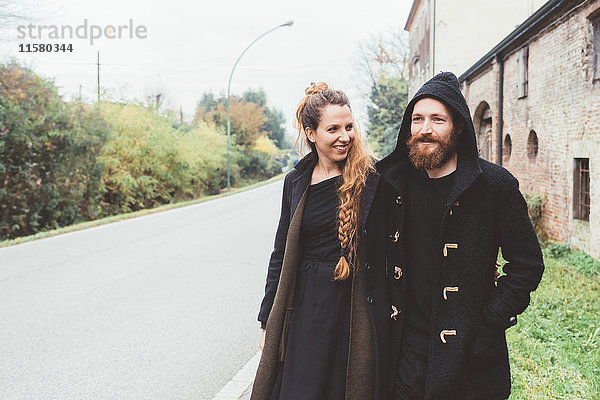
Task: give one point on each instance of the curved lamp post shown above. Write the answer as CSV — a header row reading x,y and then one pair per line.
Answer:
x,y
289,23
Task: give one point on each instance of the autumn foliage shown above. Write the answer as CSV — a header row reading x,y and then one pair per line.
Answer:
x,y
65,162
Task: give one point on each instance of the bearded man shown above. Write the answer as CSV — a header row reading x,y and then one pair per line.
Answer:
x,y
452,213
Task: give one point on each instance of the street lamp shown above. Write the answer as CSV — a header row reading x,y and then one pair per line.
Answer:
x,y
289,23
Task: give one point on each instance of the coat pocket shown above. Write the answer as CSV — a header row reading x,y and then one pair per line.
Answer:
x,y
284,334
489,345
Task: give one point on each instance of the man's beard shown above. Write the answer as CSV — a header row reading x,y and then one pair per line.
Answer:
x,y
422,157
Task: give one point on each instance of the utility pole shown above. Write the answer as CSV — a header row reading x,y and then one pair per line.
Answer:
x,y
157,102
98,76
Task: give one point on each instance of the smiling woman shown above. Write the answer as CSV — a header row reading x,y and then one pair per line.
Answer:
x,y
312,268
324,121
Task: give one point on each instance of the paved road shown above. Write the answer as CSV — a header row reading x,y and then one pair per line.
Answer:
x,y
157,307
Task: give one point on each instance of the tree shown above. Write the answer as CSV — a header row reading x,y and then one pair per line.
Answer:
x,y
389,97
275,123
206,103
275,127
385,53
382,65
257,131
255,96
214,110
147,162
247,120
49,173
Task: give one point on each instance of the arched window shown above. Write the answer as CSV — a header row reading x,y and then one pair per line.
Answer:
x,y
506,148
483,118
532,146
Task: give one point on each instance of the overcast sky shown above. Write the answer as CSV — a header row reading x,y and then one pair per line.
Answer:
x,y
191,47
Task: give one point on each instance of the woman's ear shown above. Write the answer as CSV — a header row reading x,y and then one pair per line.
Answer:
x,y
310,134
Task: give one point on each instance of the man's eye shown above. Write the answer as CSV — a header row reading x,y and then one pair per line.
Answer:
x,y
349,127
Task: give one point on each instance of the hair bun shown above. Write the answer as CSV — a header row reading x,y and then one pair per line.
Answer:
x,y
316,88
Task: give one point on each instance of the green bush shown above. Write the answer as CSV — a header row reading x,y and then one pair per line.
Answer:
x,y
583,261
63,163
255,165
48,171
148,162
535,204
558,250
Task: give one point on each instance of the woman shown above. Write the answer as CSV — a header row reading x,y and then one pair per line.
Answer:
x,y
318,339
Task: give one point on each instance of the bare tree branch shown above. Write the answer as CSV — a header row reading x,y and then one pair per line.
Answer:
x,y
385,53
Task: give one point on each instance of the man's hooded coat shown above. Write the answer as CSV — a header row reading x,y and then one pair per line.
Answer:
x,y
468,356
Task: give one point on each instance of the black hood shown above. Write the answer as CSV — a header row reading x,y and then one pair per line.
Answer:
x,y
445,88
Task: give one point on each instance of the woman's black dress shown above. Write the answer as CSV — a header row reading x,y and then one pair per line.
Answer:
x,y
317,347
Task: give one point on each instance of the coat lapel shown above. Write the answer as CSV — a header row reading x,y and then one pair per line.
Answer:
x,y
301,182
299,186
367,197
394,172
467,172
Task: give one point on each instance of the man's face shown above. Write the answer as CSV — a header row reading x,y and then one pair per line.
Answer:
x,y
433,138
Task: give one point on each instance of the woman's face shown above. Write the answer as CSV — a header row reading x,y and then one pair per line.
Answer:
x,y
334,135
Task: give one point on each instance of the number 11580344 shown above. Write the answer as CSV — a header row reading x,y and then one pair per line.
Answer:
x,y
45,48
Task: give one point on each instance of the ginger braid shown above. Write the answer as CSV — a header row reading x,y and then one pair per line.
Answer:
x,y
358,164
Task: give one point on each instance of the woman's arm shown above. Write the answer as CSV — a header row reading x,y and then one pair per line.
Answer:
x,y
263,334
277,255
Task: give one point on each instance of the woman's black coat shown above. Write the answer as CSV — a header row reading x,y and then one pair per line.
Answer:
x,y
369,362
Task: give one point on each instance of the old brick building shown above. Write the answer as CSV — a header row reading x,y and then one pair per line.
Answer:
x,y
450,35
535,102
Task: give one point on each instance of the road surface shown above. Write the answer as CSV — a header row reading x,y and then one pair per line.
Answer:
x,y
162,306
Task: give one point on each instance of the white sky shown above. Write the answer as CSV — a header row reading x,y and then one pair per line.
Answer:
x,y
192,46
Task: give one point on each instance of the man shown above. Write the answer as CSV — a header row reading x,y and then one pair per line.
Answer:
x,y
453,212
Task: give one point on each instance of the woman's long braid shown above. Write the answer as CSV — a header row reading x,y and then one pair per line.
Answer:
x,y
358,164
346,229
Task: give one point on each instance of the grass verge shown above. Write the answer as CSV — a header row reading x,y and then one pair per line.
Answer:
x,y
120,217
555,347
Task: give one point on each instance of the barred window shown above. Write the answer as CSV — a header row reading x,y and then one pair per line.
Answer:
x,y
581,189
596,46
523,61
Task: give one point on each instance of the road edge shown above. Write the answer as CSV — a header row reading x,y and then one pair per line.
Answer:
x,y
239,387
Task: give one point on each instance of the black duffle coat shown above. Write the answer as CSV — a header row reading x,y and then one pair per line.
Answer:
x,y
468,356
368,360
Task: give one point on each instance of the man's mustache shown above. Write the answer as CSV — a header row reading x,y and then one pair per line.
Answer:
x,y
423,138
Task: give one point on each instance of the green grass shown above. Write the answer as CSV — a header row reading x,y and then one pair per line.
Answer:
x,y
115,218
555,347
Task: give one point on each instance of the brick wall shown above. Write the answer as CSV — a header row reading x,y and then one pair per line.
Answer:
x,y
563,108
